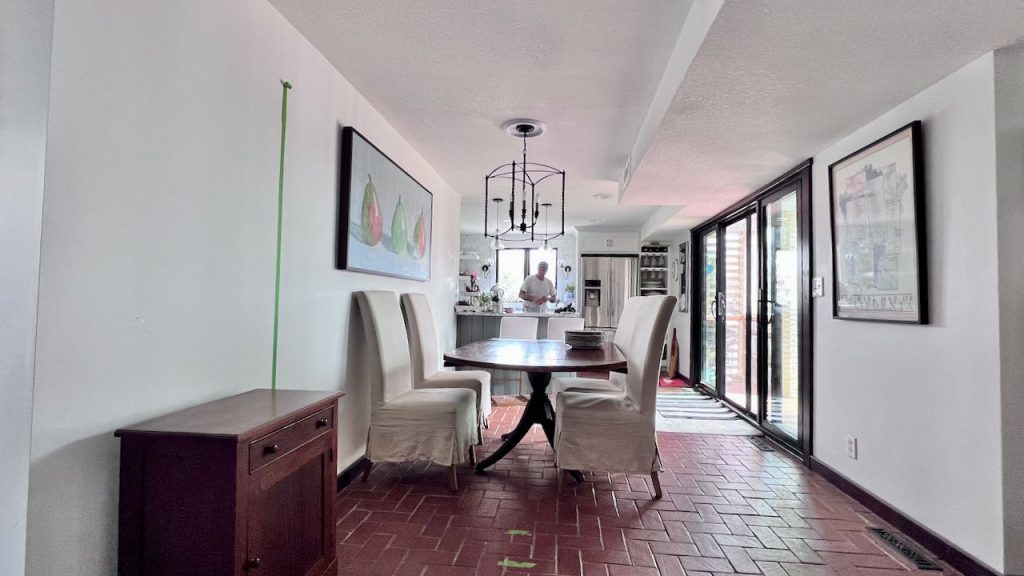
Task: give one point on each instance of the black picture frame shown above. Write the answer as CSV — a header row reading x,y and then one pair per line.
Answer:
x,y
386,261
885,304
684,262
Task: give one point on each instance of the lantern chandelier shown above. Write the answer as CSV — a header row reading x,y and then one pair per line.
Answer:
x,y
523,178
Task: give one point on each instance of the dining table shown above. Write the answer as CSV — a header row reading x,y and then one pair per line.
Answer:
x,y
539,359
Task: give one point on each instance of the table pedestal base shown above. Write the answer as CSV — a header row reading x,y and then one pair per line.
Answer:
x,y
538,411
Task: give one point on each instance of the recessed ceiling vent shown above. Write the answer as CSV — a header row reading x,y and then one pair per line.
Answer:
x,y
905,550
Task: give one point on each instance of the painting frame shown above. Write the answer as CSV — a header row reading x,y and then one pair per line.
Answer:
x,y
371,251
684,262
900,293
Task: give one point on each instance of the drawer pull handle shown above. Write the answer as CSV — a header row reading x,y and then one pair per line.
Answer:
x,y
270,449
252,563
321,423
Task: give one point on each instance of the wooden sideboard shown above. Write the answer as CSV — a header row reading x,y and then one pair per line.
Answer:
x,y
242,486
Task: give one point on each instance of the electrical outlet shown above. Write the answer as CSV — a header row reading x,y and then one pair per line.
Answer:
x,y
817,287
851,447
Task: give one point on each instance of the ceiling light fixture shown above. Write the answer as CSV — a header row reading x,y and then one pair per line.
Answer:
x,y
526,177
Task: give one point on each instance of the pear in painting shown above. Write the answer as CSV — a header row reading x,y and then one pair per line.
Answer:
x,y
398,229
372,220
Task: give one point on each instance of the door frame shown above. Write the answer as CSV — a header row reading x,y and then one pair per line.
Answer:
x,y
801,174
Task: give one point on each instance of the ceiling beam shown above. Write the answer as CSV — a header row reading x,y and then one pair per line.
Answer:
x,y
698,21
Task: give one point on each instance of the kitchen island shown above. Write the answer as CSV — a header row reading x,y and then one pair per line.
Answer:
x,y
475,326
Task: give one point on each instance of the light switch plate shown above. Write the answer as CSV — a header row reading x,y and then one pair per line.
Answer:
x,y
851,447
817,287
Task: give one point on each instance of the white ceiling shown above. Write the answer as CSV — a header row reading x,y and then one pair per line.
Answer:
x,y
448,73
773,83
777,81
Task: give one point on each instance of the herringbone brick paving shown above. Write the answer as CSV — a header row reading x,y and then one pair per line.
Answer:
x,y
728,508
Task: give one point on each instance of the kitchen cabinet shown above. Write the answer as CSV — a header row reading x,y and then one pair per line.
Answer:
x,y
243,486
608,241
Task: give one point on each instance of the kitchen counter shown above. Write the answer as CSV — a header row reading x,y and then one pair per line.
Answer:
x,y
524,314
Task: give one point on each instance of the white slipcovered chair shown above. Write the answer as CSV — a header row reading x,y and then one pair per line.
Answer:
x,y
623,339
557,327
615,432
426,364
439,425
518,328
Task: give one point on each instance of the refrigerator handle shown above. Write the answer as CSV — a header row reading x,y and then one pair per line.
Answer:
x,y
611,298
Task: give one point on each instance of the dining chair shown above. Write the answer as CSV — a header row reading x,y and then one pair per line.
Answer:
x,y
437,424
615,432
426,364
519,328
623,339
558,326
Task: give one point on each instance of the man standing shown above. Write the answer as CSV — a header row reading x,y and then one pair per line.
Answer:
x,y
537,290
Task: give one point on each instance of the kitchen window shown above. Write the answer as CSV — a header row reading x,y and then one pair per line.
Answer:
x,y
515,264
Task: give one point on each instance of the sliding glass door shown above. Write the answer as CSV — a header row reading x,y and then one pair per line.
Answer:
x,y
752,334
781,293
709,309
739,275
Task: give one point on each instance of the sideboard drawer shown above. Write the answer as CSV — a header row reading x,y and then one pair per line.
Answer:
x,y
273,446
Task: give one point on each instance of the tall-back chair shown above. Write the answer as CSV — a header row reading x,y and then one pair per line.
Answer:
x,y
615,432
557,327
623,339
426,364
439,425
518,327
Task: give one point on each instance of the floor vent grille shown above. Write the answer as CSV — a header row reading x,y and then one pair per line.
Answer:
x,y
897,544
762,444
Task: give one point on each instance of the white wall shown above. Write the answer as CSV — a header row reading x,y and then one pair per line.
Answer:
x,y
1009,103
924,401
157,270
25,34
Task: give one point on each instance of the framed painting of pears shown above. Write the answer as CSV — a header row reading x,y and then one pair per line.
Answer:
x,y
385,215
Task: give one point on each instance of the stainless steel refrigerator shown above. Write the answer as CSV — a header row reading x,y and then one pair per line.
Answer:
x,y
607,282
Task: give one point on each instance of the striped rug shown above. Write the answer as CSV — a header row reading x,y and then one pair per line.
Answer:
x,y
690,411
693,405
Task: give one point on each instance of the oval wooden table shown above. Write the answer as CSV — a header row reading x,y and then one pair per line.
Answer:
x,y
538,358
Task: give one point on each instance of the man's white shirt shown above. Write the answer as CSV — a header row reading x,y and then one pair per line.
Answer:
x,y
535,287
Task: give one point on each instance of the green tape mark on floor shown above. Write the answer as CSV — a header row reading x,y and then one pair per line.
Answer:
x,y
285,87
506,563
515,532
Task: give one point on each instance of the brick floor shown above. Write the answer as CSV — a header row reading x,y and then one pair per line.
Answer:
x,y
728,508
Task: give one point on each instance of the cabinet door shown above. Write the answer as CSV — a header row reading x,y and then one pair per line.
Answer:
x,y
291,528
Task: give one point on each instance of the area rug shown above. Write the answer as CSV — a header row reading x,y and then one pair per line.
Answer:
x,y
690,412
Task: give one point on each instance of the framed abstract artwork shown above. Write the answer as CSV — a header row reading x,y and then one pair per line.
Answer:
x,y
384,214
876,201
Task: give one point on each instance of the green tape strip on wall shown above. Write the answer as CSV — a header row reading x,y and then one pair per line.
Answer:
x,y
285,87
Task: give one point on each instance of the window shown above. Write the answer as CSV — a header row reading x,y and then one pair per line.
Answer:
x,y
515,264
